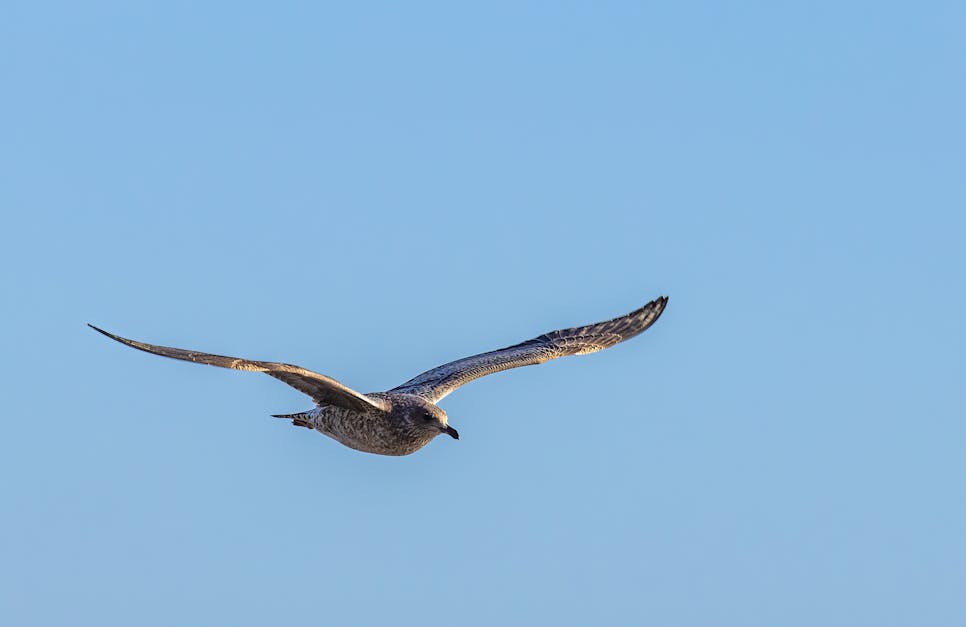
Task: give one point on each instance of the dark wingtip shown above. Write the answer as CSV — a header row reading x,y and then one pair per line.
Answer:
x,y
651,312
102,331
116,338
658,303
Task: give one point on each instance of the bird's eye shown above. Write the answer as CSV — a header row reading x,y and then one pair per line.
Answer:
x,y
427,416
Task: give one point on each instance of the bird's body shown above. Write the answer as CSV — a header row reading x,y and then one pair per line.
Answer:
x,y
406,418
399,431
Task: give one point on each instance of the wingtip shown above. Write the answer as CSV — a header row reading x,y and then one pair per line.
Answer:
x,y
654,309
660,301
106,333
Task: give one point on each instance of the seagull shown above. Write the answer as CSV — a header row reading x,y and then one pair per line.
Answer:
x,y
406,418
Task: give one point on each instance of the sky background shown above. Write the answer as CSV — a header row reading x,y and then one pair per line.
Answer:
x,y
372,189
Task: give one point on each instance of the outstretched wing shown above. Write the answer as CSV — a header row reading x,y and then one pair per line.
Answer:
x,y
323,390
434,384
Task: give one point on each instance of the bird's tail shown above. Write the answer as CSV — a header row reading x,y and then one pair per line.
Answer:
x,y
301,419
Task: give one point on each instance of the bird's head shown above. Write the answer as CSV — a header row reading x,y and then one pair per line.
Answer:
x,y
427,416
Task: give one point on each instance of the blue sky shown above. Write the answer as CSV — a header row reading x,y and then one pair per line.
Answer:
x,y
371,190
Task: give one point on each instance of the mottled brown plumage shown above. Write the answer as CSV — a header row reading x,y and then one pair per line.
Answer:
x,y
406,418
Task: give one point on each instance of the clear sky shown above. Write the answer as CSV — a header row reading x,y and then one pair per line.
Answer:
x,y
371,189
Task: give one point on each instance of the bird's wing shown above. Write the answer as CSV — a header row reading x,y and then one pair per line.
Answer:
x,y
436,383
323,390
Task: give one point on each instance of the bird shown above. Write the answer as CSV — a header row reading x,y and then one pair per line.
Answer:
x,y
406,418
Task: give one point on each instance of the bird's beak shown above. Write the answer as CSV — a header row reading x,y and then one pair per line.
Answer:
x,y
451,432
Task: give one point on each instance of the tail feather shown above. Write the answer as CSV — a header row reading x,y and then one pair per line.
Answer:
x,y
300,419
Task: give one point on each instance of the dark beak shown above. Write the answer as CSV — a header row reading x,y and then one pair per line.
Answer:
x,y
451,432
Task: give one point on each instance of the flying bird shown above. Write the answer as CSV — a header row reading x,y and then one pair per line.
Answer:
x,y
406,418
